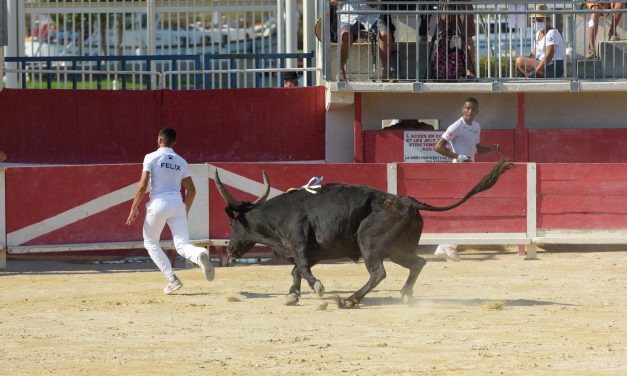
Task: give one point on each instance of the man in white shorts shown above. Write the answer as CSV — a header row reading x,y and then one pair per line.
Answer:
x,y
165,172
460,142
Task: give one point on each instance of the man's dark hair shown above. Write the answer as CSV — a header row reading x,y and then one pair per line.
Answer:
x,y
471,100
168,135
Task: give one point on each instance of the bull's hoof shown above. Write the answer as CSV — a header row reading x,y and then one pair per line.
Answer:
x,y
291,299
345,303
319,288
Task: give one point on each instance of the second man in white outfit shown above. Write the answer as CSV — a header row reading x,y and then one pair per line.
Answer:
x,y
460,142
165,172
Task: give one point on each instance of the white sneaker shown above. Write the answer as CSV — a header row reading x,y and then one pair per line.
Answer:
x,y
173,286
205,266
447,252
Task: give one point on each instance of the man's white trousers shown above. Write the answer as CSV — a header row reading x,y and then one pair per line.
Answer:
x,y
168,208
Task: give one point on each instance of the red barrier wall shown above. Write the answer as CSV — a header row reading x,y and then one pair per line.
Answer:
x,y
248,124
582,196
578,145
78,126
102,126
387,146
285,176
503,208
42,196
545,145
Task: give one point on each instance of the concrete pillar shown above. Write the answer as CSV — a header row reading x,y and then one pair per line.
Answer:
x,y
12,47
280,26
151,24
309,22
291,30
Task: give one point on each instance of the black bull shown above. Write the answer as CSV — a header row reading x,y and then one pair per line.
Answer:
x,y
341,220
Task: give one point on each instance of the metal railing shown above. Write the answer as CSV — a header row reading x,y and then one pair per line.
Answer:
x,y
435,41
208,71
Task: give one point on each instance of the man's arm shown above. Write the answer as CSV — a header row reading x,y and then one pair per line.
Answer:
x,y
486,149
142,186
190,192
441,148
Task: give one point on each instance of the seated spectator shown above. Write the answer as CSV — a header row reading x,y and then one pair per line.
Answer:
x,y
290,79
593,25
547,53
351,27
3,157
454,49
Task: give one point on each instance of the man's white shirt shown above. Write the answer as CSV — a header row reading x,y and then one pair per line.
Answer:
x,y
463,137
167,169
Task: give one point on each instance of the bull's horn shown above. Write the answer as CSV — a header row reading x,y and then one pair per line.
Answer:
x,y
266,187
232,202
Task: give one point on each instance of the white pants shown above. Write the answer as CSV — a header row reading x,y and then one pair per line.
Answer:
x,y
170,209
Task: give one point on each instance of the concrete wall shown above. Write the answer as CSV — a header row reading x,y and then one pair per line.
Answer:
x,y
575,110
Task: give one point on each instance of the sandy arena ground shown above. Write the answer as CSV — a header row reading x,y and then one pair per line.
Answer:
x,y
492,313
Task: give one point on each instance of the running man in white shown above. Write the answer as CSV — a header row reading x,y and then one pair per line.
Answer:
x,y
460,142
165,172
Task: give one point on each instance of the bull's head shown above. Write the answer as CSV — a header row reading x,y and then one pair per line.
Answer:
x,y
240,242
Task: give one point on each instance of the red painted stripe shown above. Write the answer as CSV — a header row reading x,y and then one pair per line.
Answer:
x,y
480,207
467,225
583,221
566,204
37,193
584,188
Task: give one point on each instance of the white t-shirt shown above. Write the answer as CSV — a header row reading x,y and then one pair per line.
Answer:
x,y
166,169
463,137
552,38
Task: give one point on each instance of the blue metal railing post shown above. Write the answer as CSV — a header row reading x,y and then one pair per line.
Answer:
x,y
197,76
233,76
123,75
48,79
207,64
309,64
74,67
174,76
98,68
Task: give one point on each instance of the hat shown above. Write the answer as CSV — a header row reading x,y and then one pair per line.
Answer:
x,y
538,8
290,75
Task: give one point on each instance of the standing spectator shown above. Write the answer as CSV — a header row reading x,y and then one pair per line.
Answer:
x,y
351,26
165,172
593,24
290,79
460,142
547,53
454,49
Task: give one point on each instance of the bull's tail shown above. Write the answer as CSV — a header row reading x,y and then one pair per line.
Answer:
x,y
486,183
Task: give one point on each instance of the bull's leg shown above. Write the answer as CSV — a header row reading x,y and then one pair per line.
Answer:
x,y
304,269
415,264
377,274
294,294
